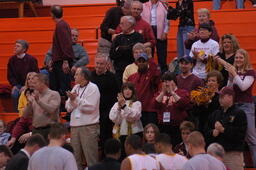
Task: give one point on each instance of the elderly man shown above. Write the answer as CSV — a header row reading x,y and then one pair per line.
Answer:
x,y
43,105
83,103
108,87
141,25
121,49
81,56
18,67
62,53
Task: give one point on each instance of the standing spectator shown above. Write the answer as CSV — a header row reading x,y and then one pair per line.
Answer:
x,y
121,49
155,13
141,26
21,159
203,18
146,82
112,150
242,78
171,104
126,114
186,79
62,53
186,128
53,156
83,103
5,156
43,105
4,136
18,67
166,157
228,128
108,87
137,159
200,160
228,47
81,57
185,12
203,50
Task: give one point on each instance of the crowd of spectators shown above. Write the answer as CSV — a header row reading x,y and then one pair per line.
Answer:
x,y
140,114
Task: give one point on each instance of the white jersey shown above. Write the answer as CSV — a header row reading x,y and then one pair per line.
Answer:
x,y
171,161
143,162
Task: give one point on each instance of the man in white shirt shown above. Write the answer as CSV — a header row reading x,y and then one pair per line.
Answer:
x,y
83,103
137,159
203,49
21,159
167,158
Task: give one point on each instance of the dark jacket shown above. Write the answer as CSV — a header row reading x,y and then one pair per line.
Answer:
x,y
234,122
18,162
107,164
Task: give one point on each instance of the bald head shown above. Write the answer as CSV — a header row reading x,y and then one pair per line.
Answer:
x,y
136,9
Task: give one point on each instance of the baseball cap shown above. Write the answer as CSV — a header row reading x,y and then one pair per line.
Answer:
x,y
186,59
142,55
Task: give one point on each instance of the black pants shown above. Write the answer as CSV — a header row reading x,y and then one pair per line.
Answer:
x,y
148,117
106,126
44,131
161,50
172,131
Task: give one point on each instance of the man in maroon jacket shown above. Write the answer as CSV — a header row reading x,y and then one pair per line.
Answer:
x,y
62,53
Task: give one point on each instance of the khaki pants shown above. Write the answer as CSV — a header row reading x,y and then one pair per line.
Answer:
x,y
234,160
84,140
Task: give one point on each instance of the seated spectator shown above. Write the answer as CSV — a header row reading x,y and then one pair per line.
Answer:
x,y
228,47
53,156
81,56
186,128
171,104
137,49
83,103
126,114
166,157
21,159
27,90
150,133
136,158
228,128
43,106
203,50
18,67
4,137
112,150
201,111
121,49
200,160
186,79
155,13
146,82
5,156
203,18
140,25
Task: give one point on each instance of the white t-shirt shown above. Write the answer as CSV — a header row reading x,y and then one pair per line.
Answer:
x,y
172,162
143,161
210,47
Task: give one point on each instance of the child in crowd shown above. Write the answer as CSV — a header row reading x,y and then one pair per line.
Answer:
x,y
186,128
150,133
4,137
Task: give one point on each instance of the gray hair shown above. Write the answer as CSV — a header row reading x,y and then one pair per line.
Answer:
x,y
139,46
137,2
216,149
23,43
130,19
104,56
86,73
127,4
74,29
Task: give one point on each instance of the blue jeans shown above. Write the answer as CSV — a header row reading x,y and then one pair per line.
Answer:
x,y
15,97
217,3
249,110
181,38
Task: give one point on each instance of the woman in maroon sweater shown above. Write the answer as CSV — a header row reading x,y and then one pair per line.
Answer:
x,y
171,104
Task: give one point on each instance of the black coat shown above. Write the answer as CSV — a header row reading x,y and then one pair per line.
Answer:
x,y
18,162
